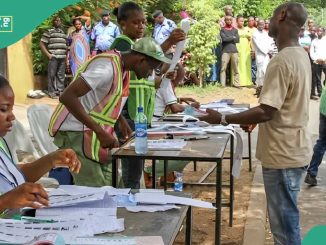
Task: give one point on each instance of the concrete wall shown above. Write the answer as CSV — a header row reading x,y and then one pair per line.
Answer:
x,y
20,68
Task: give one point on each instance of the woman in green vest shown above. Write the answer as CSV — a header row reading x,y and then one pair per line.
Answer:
x,y
131,19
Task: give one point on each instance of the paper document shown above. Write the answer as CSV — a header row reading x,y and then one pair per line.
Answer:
x,y
237,156
72,190
25,232
150,198
150,208
185,26
139,240
164,145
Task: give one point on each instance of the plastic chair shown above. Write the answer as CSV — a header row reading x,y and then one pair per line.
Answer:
x,y
39,117
18,139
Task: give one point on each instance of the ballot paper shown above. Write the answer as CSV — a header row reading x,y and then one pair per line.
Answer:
x,y
25,232
138,240
237,156
107,204
176,129
164,145
62,201
111,224
185,26
72,190
159,198
150,208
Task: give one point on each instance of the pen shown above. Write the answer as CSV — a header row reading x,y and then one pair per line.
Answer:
x,y
197,138
31,219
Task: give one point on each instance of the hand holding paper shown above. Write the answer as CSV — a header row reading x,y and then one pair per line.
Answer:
x,y
185,26
212,117
25,195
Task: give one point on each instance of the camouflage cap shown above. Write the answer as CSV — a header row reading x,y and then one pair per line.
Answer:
x,y
148,46
105,12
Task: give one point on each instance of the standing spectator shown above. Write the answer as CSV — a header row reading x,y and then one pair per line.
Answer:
x,y
54,45
252,29
266,26
78,42
104,33
304,39
216,67
310,24
257,21
163,27
283,145
228,11
244,49
320,146
318,56
274,50
263,50
230,38
312,33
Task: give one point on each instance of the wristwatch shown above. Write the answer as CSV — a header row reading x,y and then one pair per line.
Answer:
x,y
223,121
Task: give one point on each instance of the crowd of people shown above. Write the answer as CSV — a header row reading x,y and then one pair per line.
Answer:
x,y
124,71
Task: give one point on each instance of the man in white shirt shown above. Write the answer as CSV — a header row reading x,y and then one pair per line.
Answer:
x,y
263,49
318,56
166,100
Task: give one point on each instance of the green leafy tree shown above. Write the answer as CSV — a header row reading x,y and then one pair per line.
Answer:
x,y
202,37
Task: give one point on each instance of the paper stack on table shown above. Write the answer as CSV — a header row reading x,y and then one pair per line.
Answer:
x,y
77,211
164,145
73,211
179,129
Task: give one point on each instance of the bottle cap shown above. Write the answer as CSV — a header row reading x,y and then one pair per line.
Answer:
x,y
140,109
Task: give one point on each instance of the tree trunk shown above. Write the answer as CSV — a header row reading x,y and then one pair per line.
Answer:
x,y
201,77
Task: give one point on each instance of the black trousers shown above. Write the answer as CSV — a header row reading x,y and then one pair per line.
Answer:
x,y
132,169
56,75
316,78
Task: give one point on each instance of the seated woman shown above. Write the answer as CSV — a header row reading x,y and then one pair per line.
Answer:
x,y
17,187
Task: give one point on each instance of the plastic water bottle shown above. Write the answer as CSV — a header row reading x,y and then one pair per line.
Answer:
x,y
178,182
189,110
141,132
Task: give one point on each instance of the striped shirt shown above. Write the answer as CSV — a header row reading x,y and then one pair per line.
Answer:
x,y
56,41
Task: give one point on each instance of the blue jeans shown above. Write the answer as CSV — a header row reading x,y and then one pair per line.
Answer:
x,y
216,67
253,70
319,148
282,187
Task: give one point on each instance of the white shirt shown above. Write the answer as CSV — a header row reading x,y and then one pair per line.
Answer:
x,y
164,97
318,49
263,45
10,176
99,77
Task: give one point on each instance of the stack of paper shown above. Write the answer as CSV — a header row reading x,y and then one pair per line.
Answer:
x,y
72,211
164,145
177,129
80,211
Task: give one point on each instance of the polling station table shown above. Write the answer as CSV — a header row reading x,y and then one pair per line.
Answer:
x,y
208,150
165,224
